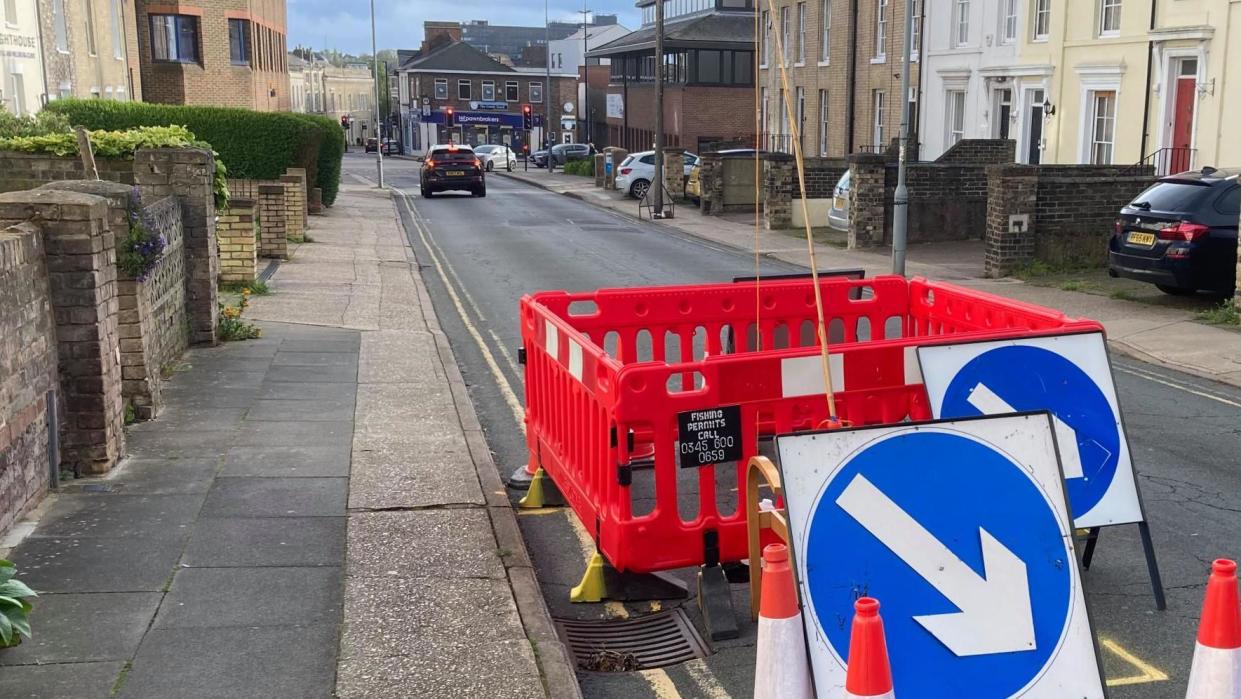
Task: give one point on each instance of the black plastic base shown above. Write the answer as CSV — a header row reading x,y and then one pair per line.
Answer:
x,y
715,601
641,587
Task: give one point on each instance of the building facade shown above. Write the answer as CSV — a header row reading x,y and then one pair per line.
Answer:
x,y
298,83
349,91
89,49
21,58
215,52
510,41
709,69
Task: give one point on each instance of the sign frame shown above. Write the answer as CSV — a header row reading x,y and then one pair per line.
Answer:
x,y
829,668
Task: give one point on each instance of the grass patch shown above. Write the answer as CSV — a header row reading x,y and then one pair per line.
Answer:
x,y
257,288
1223,314
1122,295
120,679
307,239
1072,285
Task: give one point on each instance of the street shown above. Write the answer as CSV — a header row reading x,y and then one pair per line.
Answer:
x,y
481,255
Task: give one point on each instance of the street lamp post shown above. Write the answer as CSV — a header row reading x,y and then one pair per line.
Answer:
x,y
379,152
547,90
657,201
900,199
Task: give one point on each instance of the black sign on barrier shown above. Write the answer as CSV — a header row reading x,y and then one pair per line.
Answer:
x,y
709,437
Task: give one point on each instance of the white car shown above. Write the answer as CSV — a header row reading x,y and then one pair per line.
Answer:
x,y
634,175
494,157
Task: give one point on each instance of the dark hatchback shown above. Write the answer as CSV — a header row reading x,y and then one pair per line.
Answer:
x,y
1181,233
452,167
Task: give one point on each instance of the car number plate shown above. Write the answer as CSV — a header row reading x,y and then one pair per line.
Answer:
x,y
455,173
1143,239
839,203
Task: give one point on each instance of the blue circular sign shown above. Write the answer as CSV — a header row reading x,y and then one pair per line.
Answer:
x,y
1032,378
953,486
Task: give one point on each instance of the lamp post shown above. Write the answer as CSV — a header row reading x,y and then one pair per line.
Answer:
x,y
900,199
657,201
379,152
547,90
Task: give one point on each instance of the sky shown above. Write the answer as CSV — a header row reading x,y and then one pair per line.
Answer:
x,y
345,25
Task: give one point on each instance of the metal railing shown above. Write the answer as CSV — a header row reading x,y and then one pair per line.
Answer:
x,y
1167,161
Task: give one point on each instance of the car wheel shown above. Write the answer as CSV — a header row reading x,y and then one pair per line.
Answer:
x,y
426,193
480,192
1174,290
637,190
511,164
490,166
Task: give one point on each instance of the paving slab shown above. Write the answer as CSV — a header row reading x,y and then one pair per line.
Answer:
x,y
181,418
79,628
387,477
155,476
256,663
496,670
174,445
454,543
266,541
287,461
314,359
323,391
60,681
301,410
302,345
276,497
127,564
116,515
314,374
292,433
248,597
237,397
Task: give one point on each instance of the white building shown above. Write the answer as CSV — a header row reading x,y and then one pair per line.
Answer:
x,y
984,76
21,58
567,54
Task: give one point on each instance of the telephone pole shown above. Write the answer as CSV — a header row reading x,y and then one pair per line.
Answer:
x,y
657,201
547,90
379,134
900,200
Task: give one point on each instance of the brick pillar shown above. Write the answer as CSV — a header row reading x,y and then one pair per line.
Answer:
x,y
273,231
238,252
867,212
779,181
189,174
599,176
304,191
295,228
674,172
711,184
314,203
1012,199
81,266
618,157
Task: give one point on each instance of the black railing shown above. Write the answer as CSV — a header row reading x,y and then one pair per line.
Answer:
x,y
1167,161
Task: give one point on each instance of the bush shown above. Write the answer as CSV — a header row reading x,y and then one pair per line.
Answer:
x,y
584,168
252,145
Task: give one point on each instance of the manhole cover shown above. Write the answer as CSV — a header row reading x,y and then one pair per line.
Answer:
x,y
624,645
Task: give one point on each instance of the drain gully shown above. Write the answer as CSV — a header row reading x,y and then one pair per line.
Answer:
x,y
641,643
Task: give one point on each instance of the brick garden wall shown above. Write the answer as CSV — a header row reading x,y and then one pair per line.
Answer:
x,y
27,370
238,247
20,171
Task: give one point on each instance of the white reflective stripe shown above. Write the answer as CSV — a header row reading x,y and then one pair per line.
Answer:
x,y
781,670
803,376
1215,674
553,339
913,368
575,359
886,695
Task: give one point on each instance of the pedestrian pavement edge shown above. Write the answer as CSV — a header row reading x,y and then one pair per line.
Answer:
x,y
554,660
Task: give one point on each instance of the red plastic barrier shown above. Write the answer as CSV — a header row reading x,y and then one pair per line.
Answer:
x,y
593,415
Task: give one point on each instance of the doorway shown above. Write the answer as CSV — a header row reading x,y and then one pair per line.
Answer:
x,y
1003,111
1181,125
1032,147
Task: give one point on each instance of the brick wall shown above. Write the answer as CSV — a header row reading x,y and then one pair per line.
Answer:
x,y
975,151
694,116
294,206
1058,214
238,251
20,171
273,226
822,174
27,370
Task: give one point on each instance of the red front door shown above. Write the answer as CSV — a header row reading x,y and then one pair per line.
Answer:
x,y
1183,123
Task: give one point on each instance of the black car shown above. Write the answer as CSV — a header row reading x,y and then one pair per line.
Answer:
x,y
562,153
1181,233
540,158
372,145
452,167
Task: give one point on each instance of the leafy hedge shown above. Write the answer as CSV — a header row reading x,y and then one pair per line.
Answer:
x,y
253,145
584,168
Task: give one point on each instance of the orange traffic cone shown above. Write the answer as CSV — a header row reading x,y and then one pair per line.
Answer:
x,y
781,670
869,674
1216,672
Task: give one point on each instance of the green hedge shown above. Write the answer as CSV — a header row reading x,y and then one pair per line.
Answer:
x,y
253,145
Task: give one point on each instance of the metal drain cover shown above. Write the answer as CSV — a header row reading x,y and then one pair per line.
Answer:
x,y
639,643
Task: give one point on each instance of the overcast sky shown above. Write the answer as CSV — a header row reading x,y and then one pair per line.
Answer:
x,y
346,24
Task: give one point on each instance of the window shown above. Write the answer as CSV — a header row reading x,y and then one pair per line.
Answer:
x,y
174,38
955,118
762,110
1109,16
801,32
766,38
512,92
536,92
917,33
784,35
801,112
465,90
879,108
709,67
825,19
239,42
1042,19
1008,33
91,48
881,30
441,89
823,123
961,22
489,90
118,30
1102,126
60,25
19,91
10,15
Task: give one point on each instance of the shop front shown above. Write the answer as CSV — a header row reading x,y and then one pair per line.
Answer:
x,y
479,128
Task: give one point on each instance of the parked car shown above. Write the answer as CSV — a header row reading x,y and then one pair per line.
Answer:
x,y
1181,233
838,215
564,152
372,145
452,166
392,146
636,172
539,158
494,156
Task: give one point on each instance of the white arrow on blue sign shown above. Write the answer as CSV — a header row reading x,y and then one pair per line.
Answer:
x,y
961,530
1068,375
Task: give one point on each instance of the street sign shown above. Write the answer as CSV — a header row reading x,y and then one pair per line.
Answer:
x,y
709,437
961,530
1067,374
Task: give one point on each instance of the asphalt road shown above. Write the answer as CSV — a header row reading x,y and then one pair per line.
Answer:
x,y
480,255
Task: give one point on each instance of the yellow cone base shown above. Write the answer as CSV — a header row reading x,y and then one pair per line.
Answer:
x,y
534,495
593,587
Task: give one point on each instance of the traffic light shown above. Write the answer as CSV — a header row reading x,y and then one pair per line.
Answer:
x,y
527,117
449,117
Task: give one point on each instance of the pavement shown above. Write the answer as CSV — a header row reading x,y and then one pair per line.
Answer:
x,y
1163,332
314,514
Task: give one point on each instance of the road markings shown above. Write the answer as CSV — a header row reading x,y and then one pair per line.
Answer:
x,y
1159,379
709,687
1146,672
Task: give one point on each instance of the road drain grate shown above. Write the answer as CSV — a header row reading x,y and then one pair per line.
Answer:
x,y
624,645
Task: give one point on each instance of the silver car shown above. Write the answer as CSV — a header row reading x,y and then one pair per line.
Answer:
x,y
496,156
838,215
